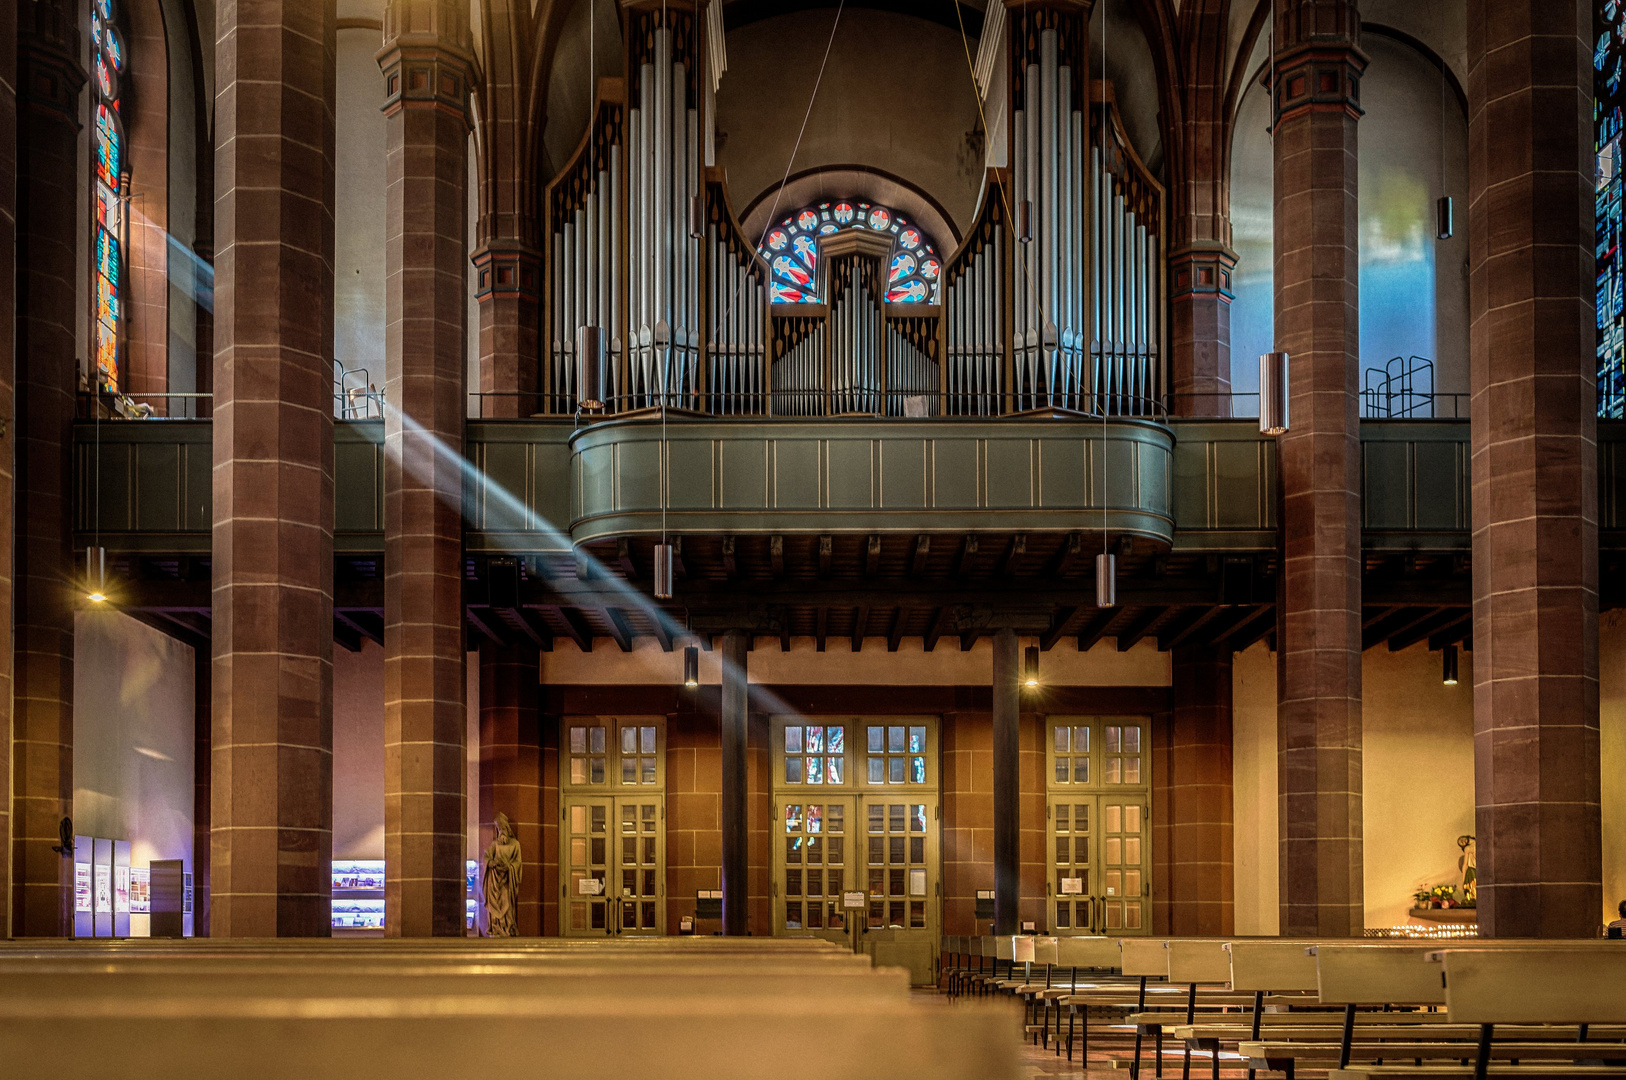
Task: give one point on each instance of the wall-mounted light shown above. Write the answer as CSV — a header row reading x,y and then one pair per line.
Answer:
x,y
592,368
1106,580
1444,219
691,666
1273,393
1448,674
663,571
96,574
1030,667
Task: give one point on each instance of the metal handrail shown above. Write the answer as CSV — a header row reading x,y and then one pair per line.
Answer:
x,y
813,404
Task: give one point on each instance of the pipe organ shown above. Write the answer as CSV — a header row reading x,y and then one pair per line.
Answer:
x,y
1054,299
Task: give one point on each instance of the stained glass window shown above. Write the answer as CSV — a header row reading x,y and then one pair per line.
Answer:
x,y
1609,21
108,65
791,249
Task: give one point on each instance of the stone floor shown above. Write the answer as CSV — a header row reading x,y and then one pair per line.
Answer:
x,y
1039,1063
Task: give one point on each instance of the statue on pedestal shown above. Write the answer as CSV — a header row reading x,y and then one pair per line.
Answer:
x,y
501,882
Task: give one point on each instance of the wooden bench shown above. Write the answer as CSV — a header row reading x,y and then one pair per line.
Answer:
x,y
356,1011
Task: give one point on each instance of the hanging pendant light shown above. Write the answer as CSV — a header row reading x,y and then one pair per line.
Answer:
x,y
1449,675
592,368
663,571
96,574
1030,667
1024,221
1106,580
1273,393
691,666
1443,218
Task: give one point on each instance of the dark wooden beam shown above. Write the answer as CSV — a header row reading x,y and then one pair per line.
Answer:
x,y
968,640
784,632
872,556
678,569
576,627
1452,633
729,568
532,628
968,550
1217,629
1256,626
894,637
825,551
1064,619
941,623
1065,560
361,625
619,629
623,555
583,563
821,627
776,555
480,618
1096,629
1403,621
860,622
1183,633
1137,628
1428,627
1370,617
1007,561
917,563
657,626
344,636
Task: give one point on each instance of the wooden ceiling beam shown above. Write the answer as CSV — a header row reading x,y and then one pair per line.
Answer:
x,y
1424,629
940,626
1131,634
821,627
1065,560
776,555
872,555
962,561
576,627
1058,628
1261,624
619,627
894,637
860,623
917,562
826,552
1096,629
1171,639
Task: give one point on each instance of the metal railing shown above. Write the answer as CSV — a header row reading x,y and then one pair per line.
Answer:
x,y
816,404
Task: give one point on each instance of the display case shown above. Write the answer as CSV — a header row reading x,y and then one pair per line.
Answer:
x,y
358,897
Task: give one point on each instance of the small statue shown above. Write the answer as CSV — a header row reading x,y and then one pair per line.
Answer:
x,y
1470,871
501,881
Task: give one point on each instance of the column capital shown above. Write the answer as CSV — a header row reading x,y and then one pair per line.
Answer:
x,y
506,267
1318,76
1202,268
427,58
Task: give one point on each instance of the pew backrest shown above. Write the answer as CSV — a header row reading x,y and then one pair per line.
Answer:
x,y
1376,975
1271,966
1535,986
1099,953
1144,956
1198,962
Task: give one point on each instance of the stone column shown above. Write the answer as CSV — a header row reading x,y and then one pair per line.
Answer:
x,y
1318,67
1200,256
272,791
1193,821
48,308
1007,690
511,778
203,726
1535,488
508,261
427,62
736,825
8,312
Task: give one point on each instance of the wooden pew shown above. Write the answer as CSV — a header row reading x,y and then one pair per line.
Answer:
x,y
340,1011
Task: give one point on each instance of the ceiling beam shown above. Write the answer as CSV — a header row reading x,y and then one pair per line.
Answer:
x,y
860,622
729,568
826,549
894,637
657,626
917,562
619,628
678,569
1007,561
576,627
1452,633
776,555
1169,640
821,627
941,623
360,625
1137,628
623,555
1256,626
968,639
1058,628
1096,629
531,627
1065,560
1441,619
1213,631
872,555
962,561
1407,619
479,617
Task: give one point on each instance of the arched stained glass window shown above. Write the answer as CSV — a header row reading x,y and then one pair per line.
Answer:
x,y
791,249
109,63
1608,58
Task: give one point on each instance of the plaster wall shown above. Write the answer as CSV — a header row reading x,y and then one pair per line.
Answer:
x,y
134,739
1253,763
1612,754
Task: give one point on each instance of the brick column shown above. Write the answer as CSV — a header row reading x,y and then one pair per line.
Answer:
x,y
8,312
1318,66
427,62
736,853
1007,781
1200,257
272,805
48,309
1535,489
511,777
508,261
1192,821
203,727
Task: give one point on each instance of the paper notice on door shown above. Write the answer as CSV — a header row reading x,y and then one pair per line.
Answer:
x,y
917,883
1072,886
589,887
853,900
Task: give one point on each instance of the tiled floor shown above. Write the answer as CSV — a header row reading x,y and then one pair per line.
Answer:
x,y
1039,1063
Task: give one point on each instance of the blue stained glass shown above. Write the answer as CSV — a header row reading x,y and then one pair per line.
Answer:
x,y
914,266
834,773
1610,213
815,740
917,769
917,740
815,770
838,739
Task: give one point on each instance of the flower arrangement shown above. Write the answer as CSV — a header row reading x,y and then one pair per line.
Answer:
x,y
1442,896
